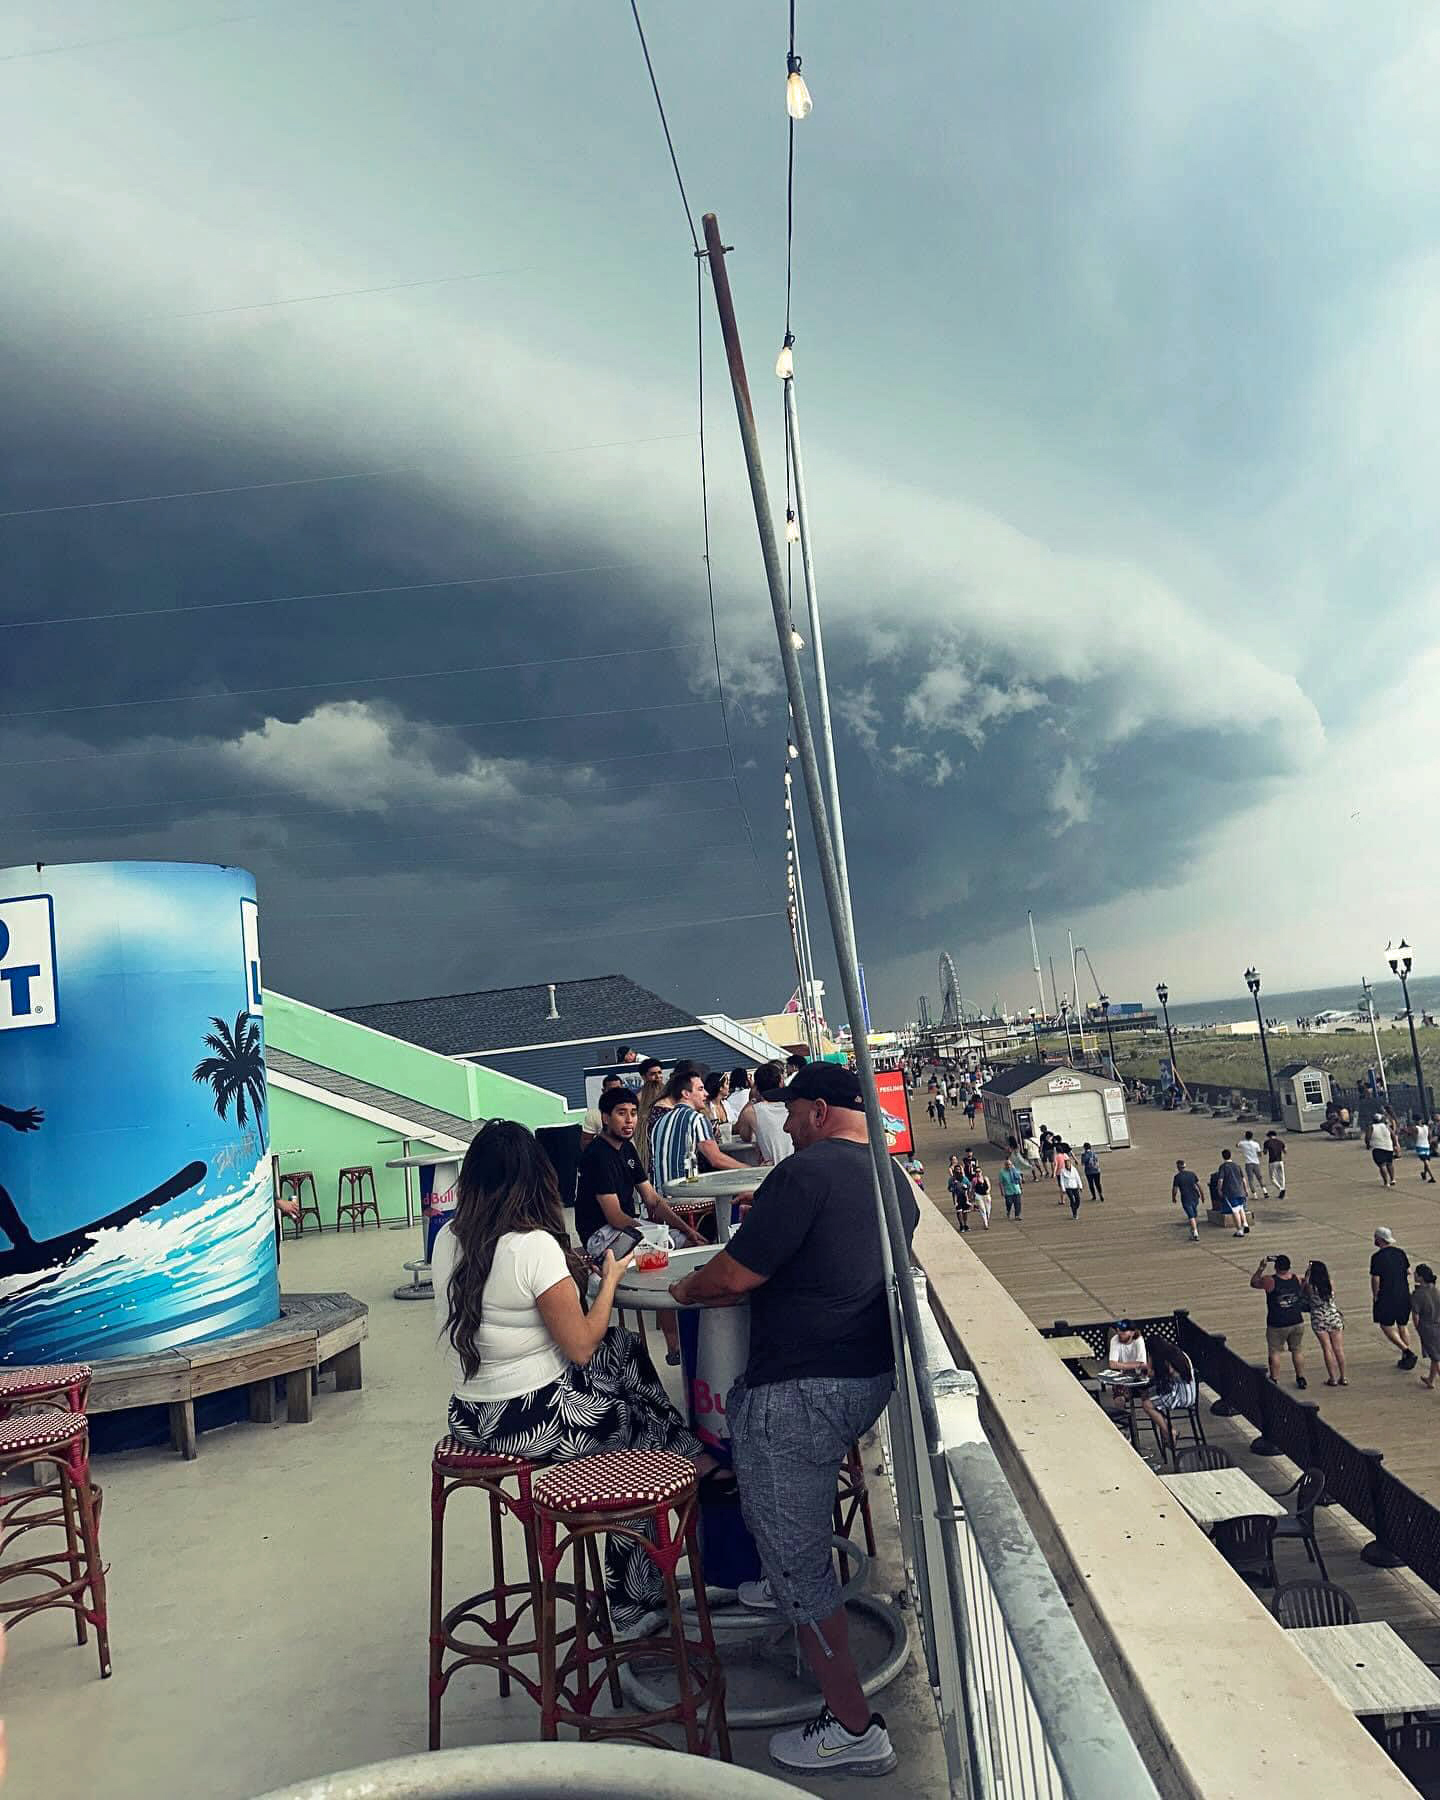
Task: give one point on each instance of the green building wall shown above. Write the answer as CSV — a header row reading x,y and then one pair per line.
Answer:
x,y
310,1134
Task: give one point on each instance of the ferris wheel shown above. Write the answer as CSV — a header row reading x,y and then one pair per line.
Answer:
x,y
950,1013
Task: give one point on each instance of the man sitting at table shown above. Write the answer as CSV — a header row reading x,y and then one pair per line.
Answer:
x,y
611,1179
820,1371
1127,1357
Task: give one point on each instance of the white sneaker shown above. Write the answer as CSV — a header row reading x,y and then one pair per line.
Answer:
x,y
758,1596
824,1746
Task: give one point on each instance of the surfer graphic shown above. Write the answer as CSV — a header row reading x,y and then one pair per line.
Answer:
x,y
28,1254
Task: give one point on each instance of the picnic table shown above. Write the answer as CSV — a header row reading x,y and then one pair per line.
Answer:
x,y
1370,1667
1212,1496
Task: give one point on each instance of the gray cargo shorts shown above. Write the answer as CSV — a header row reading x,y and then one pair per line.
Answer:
x,y
788,1440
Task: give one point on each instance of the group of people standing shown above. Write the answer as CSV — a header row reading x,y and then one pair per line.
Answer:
x,y
1395,1305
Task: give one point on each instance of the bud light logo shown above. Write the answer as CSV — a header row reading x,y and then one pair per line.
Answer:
x,y
27,962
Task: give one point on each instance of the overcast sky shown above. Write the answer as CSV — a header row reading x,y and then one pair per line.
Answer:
x,y
1117,348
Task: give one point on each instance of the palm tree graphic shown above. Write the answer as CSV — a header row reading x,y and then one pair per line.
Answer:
x,y
236,1072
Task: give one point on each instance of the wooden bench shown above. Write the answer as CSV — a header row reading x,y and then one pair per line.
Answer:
x,y
314,1332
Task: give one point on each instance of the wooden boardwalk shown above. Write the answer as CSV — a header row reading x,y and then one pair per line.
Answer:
x,y
1132,1255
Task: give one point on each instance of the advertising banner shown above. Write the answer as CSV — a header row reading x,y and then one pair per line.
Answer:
x,y
135,1200
895,1105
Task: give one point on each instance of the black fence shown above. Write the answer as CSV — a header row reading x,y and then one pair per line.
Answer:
x,y
1406,1526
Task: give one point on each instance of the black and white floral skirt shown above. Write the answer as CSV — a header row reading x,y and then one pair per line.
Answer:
x,y
616,1402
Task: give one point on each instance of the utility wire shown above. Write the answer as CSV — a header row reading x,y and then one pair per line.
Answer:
x,y
260,487
403,587
127,37
309,687
704,477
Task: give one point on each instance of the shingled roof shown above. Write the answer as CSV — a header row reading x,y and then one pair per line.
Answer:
x,y
605,1007
1011,1079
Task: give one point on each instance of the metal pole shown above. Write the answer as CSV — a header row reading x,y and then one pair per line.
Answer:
x,y
1265,1052
908,1337
1035,1027
1414,1047
1375,1033
817,640
1110,1035
812,1008
1054,991
1065,1021
1035,959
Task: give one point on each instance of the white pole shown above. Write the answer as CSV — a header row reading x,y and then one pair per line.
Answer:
x,y
1035,959
1375,1033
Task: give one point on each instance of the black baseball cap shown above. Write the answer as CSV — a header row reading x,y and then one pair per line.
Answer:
x,y
830,1082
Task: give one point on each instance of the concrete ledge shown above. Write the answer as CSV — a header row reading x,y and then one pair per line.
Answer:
x,y
1222,1707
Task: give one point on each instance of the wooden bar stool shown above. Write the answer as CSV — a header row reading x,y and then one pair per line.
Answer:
x,y
350,1201
852,1498
496,1612
294,1184
62,1439
614,1494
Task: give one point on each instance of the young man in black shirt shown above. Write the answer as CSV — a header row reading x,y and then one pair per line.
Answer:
x,y
611,1180
820,1371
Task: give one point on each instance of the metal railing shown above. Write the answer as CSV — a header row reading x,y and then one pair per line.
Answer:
x,y
1025,1713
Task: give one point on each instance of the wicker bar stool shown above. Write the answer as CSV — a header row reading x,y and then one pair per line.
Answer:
x,y
49,1435
66,1385
480,1631
852,1499
614,1494
295,1184
350,1201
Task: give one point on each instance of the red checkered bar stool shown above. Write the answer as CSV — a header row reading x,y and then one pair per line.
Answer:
x,y
852,1499
48,1435
66,1385
480,1631
614,1494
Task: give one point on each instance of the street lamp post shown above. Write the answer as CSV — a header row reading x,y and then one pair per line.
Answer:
x,y
1109,1035
1162,994
1035,1028
1252,981
1400,965
1065,1021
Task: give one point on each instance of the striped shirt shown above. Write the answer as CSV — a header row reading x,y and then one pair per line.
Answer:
x,y
672,1135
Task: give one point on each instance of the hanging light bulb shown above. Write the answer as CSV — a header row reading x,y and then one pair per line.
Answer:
x,y
791,751
787,778
785,361
797,96
792,526
789,835
796,641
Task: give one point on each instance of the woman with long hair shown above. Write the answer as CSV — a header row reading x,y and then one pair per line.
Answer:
x,y
536,1374
1173,1388
717,1092
1326,1321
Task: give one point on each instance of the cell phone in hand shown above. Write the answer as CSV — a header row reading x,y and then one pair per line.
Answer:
x,y
623,1246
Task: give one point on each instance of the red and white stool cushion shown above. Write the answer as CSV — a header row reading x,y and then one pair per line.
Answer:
x,y
47,1428
451,1454
40,1378
614,1481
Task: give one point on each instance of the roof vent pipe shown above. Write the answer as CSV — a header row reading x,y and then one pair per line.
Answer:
x,y
554,1012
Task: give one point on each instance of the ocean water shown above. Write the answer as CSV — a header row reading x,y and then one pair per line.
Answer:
x,y
1304,1003
169,1278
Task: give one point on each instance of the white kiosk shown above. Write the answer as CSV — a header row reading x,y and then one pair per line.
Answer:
x,y
1305,1092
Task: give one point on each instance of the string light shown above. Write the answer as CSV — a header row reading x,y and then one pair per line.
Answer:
x,y
796,641
789,835
787,778
797,96
792,526
785,361
791,751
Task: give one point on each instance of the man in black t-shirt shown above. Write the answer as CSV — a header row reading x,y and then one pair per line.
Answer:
x,y
820,1371
1390,1294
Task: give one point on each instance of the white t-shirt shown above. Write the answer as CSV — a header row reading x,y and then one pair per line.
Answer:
x,y
1133,1352
1380,1138
1422,1137
1250,1150
735,1103
770,1135
517,1352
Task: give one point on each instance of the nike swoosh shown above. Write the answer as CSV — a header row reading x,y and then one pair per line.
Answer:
x,y
835,1750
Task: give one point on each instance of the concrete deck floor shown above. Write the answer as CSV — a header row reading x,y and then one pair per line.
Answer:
x,y
268,1601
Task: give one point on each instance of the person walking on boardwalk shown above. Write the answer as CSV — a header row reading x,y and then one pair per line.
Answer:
x,y
1284,1314
1390,1294
1185,1189
1090,1163
1274,1148
1232,1192
1249,1150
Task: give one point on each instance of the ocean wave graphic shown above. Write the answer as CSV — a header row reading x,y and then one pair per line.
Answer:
x,y
172,1277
